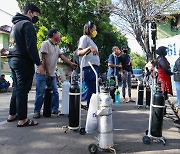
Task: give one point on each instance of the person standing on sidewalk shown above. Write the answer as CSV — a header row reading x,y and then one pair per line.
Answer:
x,y
176,71
113,69
164,71
86,44
49,53
125,61
22,55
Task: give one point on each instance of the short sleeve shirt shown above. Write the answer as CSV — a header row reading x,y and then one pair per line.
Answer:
x,y
85,42
53,52
113,71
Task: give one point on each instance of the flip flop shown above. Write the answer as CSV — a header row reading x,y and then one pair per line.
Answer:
x,y
28,123
11,120
36,115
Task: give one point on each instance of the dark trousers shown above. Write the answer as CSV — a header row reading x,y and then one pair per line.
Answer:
x,y
23,72
90,81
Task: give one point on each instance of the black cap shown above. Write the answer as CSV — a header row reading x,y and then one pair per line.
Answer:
x,y
162,51
32,7
51,32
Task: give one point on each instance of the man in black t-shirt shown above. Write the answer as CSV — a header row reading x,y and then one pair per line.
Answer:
x,y
125,61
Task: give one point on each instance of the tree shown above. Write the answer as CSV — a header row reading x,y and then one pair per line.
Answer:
x,y
138,61
69,16
135,16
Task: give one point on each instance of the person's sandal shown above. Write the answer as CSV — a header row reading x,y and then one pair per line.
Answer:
x,y
36,115
13,119
28,123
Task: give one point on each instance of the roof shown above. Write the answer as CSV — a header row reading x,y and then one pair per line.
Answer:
x,y
5,28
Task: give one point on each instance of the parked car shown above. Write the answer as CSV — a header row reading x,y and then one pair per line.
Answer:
x,y
138,75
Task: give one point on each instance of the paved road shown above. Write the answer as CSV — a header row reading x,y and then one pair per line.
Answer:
x,y
129,124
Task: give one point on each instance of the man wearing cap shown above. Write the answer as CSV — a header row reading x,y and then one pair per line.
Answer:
x,y
22,55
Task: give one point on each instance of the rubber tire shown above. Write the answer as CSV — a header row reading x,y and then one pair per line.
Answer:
x,y
93,148
146,140
82,131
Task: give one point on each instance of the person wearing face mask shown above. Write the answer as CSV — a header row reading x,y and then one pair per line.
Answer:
x,y
113,68
164,71
22,56
127,72
86,44
49,53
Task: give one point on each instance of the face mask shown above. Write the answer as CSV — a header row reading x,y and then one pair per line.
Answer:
x,y
35,19
57,38
125,51
94,33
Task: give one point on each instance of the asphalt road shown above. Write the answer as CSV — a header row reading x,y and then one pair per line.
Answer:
x,y
48,137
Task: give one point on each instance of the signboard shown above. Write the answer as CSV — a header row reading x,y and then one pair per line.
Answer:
x,y
173,44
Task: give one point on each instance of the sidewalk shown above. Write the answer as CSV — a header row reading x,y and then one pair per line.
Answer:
x,y
48,137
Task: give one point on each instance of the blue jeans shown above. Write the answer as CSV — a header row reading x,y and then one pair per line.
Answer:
x,y
126,79
40,90
23,72
90,81
178,93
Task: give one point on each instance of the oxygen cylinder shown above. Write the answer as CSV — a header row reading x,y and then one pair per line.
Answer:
x,y
140,94
157,113
112,84
48,98
65,97
74,102
148,95
105,124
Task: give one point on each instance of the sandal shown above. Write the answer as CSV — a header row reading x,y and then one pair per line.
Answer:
x,y
28,123
56,112
11,120
36,115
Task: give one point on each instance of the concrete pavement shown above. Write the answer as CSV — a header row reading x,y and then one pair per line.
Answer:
x,y
48,137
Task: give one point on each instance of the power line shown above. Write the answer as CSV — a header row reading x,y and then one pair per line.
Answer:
x,y
6,12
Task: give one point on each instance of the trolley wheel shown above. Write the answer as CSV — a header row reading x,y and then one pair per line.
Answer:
x,y
82,131
93,148
146,140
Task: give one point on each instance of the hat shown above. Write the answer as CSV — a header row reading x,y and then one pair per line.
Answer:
x,y
162,51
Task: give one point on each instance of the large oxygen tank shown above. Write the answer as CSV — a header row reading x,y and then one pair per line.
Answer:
x,y
148,95
140,94
157,113
48,98
105,124
112,84
65,97
74,103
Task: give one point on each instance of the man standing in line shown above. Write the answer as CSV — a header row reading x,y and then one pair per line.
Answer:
x,y
113,69
22,55
125,61
49,53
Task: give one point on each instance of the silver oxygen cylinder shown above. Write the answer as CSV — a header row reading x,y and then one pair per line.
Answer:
x,y
105,125
65,97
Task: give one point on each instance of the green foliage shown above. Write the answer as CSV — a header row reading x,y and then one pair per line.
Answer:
x,y
138,61
41,35
69,16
